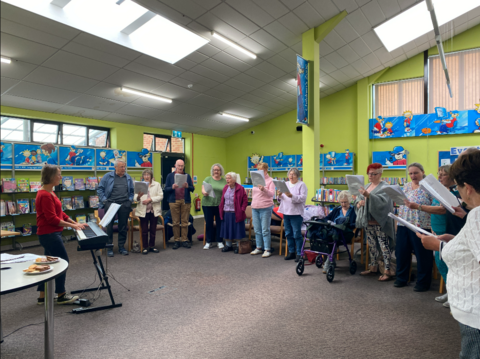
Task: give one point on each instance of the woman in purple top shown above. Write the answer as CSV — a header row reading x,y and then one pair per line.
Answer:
x,y
292,205
232,208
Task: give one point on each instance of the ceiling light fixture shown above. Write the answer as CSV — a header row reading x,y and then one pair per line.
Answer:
x,y
395,33
6,60
146,94
234,116
234,45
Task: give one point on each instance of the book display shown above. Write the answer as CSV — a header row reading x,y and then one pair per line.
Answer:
x,y
67,183
79,184
23,185
9,185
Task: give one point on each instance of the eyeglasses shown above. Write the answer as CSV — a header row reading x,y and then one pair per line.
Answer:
x,y
373,173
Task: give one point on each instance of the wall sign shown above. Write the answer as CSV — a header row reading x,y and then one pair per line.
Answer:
x,y
139,159
455,151
302,90
177,134
395,159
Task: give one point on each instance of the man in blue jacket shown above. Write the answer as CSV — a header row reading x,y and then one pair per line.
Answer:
x,y
180,201
117,187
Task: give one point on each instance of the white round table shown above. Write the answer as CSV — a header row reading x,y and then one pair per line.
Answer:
x,y
13,279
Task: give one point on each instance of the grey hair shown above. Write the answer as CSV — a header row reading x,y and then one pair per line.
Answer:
x,y
295,171
345,194
222,171
445,168
119,160
418,165
234,175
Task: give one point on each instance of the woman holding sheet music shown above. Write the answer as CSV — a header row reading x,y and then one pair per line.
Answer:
x,y
406,238
210,204
372,209
462,255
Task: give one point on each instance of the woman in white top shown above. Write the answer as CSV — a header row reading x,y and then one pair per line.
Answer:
x,y
462,256
149,207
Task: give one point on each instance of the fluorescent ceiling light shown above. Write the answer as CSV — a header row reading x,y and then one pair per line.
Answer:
x,y
234,116
234,45
146,94
416,21
6,60
145,31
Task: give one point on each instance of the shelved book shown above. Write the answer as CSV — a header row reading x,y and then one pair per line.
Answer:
x,y
33,207
8,226
91,183
23,205
395,180
67,183
91,217
3,211
327,195
78,202
81,218
23,185
35,186
67,203
333,180
79,184
11,207
27,229
9,185
93,201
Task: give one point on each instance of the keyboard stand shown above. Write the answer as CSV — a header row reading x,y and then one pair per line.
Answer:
x,y
105,285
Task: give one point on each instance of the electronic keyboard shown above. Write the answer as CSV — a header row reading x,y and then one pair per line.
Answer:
x,y
91,237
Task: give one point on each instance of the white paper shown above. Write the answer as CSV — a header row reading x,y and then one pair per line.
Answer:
x,y
281,186
108,217
409,225
395,193
141,186
355,182
440,193
258,178
11,258
180,179
209,189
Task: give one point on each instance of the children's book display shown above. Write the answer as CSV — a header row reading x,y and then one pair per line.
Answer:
x,y
395,180
27,229
91,183
327,195
23,185
8,226
23,206
3,209
67,183
33,206
81,218
333,180
93,201
35,186
79,184
9,185
91,217
78,202
11,208
67,203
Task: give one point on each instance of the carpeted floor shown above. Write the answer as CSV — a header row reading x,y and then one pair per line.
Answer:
x,y
225,305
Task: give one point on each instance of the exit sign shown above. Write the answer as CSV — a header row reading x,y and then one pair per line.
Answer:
x,y
177,134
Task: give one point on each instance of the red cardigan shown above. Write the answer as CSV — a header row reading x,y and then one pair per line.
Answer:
x,y
49,213
240,202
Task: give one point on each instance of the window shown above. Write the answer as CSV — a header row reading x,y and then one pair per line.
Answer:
x,y
45,132
178,145
74,135
163,143
464,71
393,98
15,129
97,137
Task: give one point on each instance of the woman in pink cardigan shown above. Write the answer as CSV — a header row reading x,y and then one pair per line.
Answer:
x,y
262,205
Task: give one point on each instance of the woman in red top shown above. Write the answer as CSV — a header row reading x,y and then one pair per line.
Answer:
x,y
50,223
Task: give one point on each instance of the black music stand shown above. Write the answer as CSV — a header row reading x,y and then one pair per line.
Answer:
x,y
104,285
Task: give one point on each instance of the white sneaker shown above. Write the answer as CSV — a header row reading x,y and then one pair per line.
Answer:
x,y
220,245
256,251
442,298
266,254
213,244
206,246
446,305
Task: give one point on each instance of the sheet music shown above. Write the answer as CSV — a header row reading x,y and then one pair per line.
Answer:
x,y
281,186
440,192
409,225
258,178
141,186
108,217
355,182
180,179
395,193
209,189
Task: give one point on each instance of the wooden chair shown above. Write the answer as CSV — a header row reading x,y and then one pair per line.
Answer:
x,y
136,228
249,225
278,230
442,286
205,229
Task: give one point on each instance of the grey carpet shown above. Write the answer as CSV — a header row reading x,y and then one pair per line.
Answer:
x,y
223,305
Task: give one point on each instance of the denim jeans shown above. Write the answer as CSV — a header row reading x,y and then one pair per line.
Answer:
x,y
261,224
442,267
52,244
293,232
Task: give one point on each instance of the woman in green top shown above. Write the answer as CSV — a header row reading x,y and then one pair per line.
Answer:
x,y
210,205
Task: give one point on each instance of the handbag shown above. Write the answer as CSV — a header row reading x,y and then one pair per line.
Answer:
x,y
244,247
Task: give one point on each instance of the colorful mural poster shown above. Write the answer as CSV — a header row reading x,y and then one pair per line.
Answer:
x,y
76,158
105,158
33,157
442,122
281,162
254,160
6,155
302,90
299,162
394,159
333,161
139,159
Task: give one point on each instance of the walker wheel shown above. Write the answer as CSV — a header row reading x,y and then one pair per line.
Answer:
x,y
300,267
353,267
331,274
319,261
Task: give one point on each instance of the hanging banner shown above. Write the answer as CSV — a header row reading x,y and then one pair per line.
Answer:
x,y
33,157
395,159
139,159
105,158
6,155
334,161
76,158
302,90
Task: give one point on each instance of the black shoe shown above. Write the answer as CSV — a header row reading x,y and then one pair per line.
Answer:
x,y
399,284
290,256
154,250
297,258
227,249
110,253
176,245
187,244
420,288
123,251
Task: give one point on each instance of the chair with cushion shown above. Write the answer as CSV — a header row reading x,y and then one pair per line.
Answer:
x,y
135,227
277,230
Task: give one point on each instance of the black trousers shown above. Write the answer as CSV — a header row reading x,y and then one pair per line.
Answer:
x,y
53,246
213,232
407,241
122,214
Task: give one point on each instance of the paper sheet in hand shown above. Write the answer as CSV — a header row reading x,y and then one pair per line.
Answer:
x,y
440,192
409,225
110,215
180,179
395,193
141,186
281,186
209,189
355,182
258,178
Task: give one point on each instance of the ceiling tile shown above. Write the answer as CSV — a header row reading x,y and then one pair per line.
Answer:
x,y
79,65
185,83
253,46
239,85
334,40
106,90
217,66
371,60
359,22
326,65
25,50
360,47
361,66
260,75
309,15
97,103
29,104
350,71
229,90
405,4
348,54
339,76
267,40
94,54
372,40
132,120
109,47
134,80
249,80
293,23
274,90
148,71
29,33
289,54
195,78
159,65
6,84
81,112
326,8
220,95
262,94
400,58
147,102
383,55
390,8
337,60
58,79
292,4
209,50
269,69
279,31
373,13
330,81
412,53
396,52
186,7
283,64
235,19
196,57
207,101
43,93
185,64
348,5
215,24
252,11
257,100
245,102
274,7
208,73
138,111
346,31
190,109
159,124
175,92
16,69
231,61
325,49
166,11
